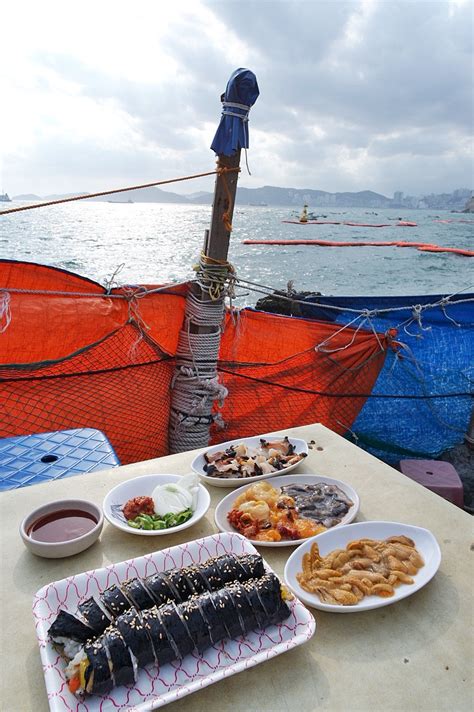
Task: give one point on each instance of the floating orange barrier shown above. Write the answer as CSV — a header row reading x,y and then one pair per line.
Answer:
x,y
423,246
400,223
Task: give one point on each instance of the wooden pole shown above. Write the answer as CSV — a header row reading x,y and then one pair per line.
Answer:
x,y
217,238
196,385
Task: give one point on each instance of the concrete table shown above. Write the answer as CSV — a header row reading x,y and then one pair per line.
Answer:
x,y
415,655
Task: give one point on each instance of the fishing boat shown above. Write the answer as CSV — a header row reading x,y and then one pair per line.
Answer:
x,y
166,368
5,198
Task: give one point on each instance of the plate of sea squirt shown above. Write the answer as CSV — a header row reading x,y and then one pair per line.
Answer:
x,y
236,462
284,511
362,566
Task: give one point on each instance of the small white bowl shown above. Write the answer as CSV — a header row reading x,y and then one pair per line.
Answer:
x,y
143,487
301,446
61,549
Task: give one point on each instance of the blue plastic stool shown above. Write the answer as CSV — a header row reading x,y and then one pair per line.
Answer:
x,y
32,459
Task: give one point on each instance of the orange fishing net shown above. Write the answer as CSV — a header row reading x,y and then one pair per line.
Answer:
x,y
72,356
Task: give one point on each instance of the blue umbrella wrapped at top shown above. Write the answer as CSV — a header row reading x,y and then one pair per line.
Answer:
x,y
240,95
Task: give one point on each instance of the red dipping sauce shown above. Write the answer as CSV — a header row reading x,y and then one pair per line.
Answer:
x,y
63,525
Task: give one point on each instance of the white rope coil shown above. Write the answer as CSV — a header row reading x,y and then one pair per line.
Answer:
x,y
195,386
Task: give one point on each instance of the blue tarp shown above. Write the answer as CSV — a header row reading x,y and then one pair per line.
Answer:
x,y
240,95
428,384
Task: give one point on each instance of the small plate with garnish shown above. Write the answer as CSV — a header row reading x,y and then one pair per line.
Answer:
x,y
236,462
151,505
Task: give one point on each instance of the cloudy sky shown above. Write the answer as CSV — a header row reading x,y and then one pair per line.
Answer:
x,y
354,94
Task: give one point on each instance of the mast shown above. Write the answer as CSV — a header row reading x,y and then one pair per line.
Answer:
x,y
196,387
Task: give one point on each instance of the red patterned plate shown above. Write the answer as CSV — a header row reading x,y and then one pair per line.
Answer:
x,y
156,686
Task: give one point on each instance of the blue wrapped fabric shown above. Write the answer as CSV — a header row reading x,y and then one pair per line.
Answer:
x,y
422,400
240,95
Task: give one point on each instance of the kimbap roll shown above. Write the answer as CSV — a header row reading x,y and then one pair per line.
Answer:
x,y
172,631
177,585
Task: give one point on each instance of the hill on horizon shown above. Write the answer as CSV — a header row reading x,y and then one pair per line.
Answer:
x,y
281,197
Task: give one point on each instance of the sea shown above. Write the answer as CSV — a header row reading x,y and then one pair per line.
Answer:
x,y
156,243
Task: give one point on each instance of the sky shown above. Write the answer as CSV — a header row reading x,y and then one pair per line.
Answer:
x,y
354,94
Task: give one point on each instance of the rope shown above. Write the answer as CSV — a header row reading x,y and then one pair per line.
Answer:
x,y
5,313
215,277
111,192
195,385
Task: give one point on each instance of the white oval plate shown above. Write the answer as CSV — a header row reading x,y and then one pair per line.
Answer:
x,y
225,505
199,461
143,487
339,537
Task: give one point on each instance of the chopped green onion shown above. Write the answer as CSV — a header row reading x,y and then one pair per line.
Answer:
x,y
156,522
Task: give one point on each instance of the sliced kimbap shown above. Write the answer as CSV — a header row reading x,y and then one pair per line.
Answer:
x,y
160,588
162,645
226,608
97,674
196,580
196,624
211,616
269,592
252,565
254,600
114,601
136,592
123,671
246,615
70,632
176,629
230,569
180,583
136,636
211,574
94,615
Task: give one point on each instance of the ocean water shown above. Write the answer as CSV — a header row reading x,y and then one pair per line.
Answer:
x,y
143,243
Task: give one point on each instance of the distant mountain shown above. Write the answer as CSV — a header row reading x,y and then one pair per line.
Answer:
x,y
145,195
27,196
285,197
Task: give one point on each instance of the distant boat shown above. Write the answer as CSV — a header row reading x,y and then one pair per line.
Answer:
x,y
5,198
120,201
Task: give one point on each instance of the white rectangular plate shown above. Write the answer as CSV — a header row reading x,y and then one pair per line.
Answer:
x,y
155,686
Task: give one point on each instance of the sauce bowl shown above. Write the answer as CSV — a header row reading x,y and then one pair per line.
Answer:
x,y
62,514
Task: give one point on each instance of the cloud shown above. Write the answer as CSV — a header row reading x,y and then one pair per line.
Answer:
x,y
354,95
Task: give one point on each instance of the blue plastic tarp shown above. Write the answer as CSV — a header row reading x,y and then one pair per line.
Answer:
x,y
422,400
240,95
